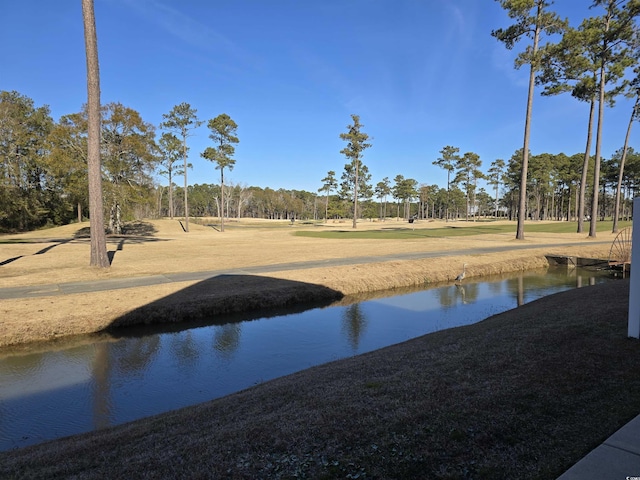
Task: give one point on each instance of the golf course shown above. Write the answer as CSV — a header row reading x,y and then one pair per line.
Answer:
x,y
524,394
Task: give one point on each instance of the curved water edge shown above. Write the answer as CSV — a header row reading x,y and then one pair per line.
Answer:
x,y
96,382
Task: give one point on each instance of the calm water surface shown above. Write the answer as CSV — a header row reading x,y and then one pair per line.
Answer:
x,y
91,384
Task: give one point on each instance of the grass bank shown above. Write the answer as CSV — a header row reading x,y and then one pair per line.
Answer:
x,y
368,261
524,394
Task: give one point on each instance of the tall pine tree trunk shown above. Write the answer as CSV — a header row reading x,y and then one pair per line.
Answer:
x,y
222,199
326,207
170,196
99,257
596,170
186,196
355,195
616,212
585,168
527,133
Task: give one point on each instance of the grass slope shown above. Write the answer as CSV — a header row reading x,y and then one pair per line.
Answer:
x,y
524,394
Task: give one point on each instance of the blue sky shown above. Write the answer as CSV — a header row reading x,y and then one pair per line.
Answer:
x,y
422,74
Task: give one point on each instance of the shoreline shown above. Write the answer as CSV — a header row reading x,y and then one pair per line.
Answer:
x,y
525,394
512,395
41,319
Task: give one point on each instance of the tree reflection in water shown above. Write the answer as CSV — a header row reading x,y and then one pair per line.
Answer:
x,y
354,324
133,355
458,294
226,339
183,348
101,370
447,297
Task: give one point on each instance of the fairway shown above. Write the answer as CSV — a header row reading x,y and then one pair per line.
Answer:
x,y
300,259
452,229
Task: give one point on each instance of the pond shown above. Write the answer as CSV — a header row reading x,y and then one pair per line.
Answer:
x,y
97,382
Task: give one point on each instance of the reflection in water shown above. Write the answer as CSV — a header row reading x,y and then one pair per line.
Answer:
x,y
226,339
184,349
446,296
354,324
48,394
134,356
100,386
461,293
520,290
469,293
457,294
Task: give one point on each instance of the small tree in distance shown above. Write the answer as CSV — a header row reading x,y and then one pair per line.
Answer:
x,y
223,132
496,172
181,120
356,144
329,183
468,172
383,189
448,161
170,148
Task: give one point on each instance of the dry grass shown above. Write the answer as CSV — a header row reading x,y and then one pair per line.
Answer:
x,y
154,248
168,249
523,394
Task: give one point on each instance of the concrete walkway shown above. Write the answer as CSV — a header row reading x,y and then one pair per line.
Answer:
x,y
617,458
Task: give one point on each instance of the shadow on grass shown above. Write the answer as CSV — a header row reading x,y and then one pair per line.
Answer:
x,y
135,229
54,244
223,299
112,253
9,260
46,249
133,232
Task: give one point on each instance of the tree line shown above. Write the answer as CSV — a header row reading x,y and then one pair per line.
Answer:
x,y
552,193
44,164
43,177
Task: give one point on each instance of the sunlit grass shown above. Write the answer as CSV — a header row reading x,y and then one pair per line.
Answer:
x,y
457,229
16,241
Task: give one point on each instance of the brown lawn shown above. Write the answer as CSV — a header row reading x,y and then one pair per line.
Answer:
x,y
61,255
524,394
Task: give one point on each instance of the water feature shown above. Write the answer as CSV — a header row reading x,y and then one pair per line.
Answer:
x,y
97,382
